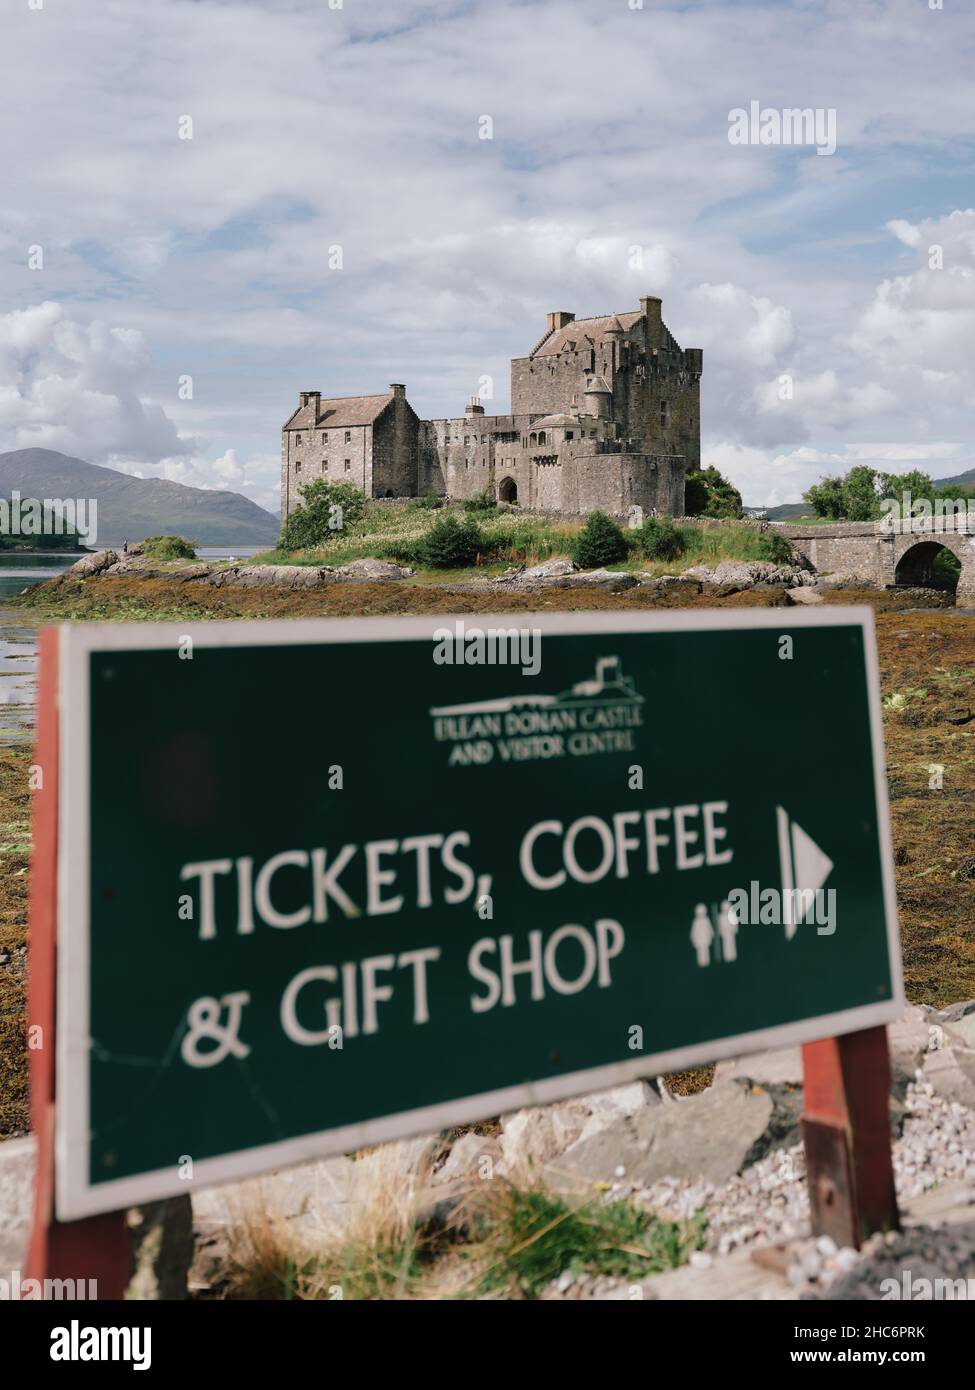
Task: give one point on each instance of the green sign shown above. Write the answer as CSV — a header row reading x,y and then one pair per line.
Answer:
x,y
323,884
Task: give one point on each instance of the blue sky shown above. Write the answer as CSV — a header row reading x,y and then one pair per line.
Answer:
x,y
609,175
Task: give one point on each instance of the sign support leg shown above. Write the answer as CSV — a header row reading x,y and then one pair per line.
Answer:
x,y
98,1247
846,1134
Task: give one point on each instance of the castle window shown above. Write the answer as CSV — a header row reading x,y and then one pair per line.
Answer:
x,y
569,435
298,466
467,439
348,436
664,414
324,437
297,438
348,464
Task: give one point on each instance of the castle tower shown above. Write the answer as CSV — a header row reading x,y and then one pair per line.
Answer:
x,y
597,398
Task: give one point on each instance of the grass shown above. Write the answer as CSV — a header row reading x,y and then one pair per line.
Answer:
x,y
501,1240
509,539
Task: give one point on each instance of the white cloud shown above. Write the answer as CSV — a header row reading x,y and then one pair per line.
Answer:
x,y
74,386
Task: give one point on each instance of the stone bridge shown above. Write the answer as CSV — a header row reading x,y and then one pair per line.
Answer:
x,y
886,553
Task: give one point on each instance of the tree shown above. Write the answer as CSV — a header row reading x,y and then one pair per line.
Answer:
x,y
861,494
660,539
600,542
450,543
826,498
327,508
708,493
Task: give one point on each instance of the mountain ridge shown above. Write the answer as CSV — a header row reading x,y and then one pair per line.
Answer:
x,y
130,508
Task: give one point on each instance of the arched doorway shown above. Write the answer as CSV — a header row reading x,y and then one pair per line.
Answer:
x,y
928,565
507,490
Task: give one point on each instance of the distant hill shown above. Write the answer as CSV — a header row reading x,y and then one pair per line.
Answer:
x,y
788,511
132,508
960,480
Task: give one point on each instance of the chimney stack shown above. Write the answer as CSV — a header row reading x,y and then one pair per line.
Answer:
x,y
312,399
559,319
650,306
398,390
474,406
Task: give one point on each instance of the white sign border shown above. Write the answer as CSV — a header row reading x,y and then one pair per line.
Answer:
x,y
75,1196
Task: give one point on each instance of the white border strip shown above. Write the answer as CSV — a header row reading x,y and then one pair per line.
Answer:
x,y
75,1196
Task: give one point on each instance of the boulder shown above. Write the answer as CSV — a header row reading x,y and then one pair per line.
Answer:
x,y
532,1138
556,568
711,1136
471,1156
804,596
16,1201
951,1071
90,565
613,580
273,576
376,571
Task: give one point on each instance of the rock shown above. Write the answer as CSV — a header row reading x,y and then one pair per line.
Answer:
x,y
700,572
710,1136
16,1202
668,581
532,1138
273,576
90,565
613,580
842,579
908,1038
803,596
556,568
745,573
951,1071
374,570
472,1156
779,1066
310,1198
162,1249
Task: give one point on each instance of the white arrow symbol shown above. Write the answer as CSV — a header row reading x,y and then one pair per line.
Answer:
x,y
805,868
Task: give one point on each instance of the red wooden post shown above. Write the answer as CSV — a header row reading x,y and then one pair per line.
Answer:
x,y
846,1134
96,1248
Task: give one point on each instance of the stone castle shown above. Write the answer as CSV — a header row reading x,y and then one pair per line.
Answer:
x,y
605,415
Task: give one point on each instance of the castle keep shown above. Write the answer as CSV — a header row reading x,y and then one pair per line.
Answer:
x,y
605,415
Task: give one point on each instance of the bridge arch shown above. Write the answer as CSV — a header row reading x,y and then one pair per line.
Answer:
x,y
926,564
921,559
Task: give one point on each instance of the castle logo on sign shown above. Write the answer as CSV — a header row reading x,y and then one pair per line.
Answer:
x,y
595,716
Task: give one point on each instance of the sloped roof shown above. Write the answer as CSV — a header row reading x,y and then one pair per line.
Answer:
x,y
591,329
339,411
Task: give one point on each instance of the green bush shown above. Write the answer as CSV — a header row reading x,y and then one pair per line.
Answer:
x,y
600,542
430,502
167,548
773,546
660,539
450,543
327,509
480,502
